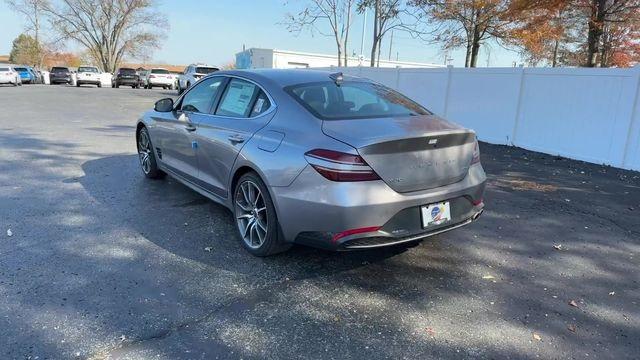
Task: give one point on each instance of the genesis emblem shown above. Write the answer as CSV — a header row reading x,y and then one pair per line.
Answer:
x,y
433,141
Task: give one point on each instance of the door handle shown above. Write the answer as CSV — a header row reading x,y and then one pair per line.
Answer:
x,y
236,139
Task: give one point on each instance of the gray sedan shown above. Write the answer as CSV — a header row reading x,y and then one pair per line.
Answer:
x,y
315,158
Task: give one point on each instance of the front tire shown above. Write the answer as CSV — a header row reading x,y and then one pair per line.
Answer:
x,y
256,217
147,157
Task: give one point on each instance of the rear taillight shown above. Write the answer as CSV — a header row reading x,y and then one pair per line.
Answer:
x,y
339,166
151,76
476,154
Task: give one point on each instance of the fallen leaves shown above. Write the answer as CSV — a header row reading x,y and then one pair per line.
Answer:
x,y
557,247
612,293
430,331
573,303
9,233
208,249
488,277
537,337
571,328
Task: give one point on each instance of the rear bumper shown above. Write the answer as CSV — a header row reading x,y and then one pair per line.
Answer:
x,y
126,81
161,82
60,80
88,81
313,210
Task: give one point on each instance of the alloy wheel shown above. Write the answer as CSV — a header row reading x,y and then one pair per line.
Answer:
x,y
144,151
251,214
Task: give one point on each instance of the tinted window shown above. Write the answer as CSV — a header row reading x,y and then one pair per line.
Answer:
x,y
87,69
159,71
59,69
261,104
21,69
353,100
201,97
237,99
127,71
205,70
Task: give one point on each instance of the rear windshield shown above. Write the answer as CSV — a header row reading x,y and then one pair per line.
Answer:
x,y
353,100
205,70
159,71
127,71
21,69
59,69
87,69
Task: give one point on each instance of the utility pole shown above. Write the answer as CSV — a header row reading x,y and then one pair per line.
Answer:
x,y
364,32
390,45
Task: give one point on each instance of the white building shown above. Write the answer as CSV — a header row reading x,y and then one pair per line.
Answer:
x,y
256,58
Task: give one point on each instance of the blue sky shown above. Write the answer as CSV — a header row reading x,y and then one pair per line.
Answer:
x,y
213,31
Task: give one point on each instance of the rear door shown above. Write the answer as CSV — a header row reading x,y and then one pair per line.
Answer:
x,y
243,109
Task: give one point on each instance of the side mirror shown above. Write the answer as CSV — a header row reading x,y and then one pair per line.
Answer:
x,y
164,105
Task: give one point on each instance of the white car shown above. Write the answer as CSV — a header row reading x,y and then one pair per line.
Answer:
x,y
159,78
88,75
192,74
9,76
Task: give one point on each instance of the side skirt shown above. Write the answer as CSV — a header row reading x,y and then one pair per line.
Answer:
x,y
193,186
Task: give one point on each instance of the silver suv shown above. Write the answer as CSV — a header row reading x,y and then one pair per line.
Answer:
x,y
192,74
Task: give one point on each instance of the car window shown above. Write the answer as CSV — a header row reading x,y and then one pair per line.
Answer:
x,y
237,99
20,69
59,69
159,71
200,98
127,71
205,70
353,100
261,104
87,69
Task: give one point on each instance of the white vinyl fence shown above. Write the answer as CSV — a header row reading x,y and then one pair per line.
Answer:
x,y
585,114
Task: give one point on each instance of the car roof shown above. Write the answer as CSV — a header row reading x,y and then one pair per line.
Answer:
x,y
287,77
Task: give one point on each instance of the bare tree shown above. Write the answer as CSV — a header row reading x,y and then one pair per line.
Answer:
x,y
32,11
336,13
109,29
386,17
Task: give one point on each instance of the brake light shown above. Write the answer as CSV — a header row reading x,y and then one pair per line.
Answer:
x,y
151,76
339,166
476,154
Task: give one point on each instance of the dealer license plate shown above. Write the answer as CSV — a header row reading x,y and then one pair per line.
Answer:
x,y
436,214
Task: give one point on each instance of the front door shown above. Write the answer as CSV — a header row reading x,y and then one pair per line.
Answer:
x,y
175,130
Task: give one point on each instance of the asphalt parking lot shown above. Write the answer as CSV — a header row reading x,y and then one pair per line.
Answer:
x,y
103,263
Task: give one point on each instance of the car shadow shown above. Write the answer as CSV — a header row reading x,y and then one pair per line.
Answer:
x,y
191,226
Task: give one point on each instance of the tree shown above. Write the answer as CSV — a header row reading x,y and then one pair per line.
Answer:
x,y
25,50
467,23
110,30
605,17
32,11
386,17
336,13
547,31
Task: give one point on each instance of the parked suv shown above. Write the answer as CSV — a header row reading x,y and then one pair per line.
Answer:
x,y
159,78
88,75
9,76
193,73
60,75
125,76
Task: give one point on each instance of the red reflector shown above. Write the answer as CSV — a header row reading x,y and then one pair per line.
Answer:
x,y
478,202
346,233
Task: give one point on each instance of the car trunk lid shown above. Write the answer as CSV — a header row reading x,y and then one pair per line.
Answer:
x,y
409,153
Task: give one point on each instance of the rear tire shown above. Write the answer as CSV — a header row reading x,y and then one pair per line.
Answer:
x,y
256,217
147,156
99,85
